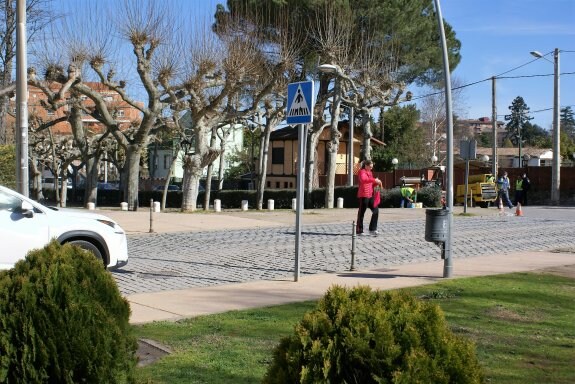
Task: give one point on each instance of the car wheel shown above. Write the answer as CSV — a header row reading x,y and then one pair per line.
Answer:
x,y
86,245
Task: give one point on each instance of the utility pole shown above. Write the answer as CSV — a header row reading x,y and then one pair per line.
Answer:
x,y
22,177
494,123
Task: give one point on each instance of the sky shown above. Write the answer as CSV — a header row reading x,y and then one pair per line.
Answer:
x,y
496,38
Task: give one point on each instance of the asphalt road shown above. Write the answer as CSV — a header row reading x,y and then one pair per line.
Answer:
x,y
181,260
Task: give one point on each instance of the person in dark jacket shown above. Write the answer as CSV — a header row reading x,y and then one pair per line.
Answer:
x,y
526,185
365,195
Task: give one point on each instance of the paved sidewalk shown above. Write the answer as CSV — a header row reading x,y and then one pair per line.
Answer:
x,y
175,305
178,304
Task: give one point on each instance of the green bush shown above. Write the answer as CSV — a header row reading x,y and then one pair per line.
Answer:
x,y
63,320
8,166
364,336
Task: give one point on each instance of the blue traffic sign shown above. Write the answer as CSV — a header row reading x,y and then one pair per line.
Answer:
x,y
300,103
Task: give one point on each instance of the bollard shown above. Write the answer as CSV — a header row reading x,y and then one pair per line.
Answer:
x,y
157,206
91,206
124,206
293,204
353,236
340,202
271,204
217,205
151,215
244,205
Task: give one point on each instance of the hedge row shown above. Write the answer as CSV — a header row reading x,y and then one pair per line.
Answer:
x,y
429,196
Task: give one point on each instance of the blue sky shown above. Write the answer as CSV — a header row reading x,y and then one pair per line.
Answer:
x,y
497,36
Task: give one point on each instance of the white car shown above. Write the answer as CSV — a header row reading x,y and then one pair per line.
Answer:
x,y
26,225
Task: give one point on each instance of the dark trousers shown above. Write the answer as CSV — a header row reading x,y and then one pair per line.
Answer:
x,y
364,203
519,197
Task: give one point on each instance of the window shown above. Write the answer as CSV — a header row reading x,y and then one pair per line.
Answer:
x,y
50,112
120,113
277,155
277,184
286,184
167,161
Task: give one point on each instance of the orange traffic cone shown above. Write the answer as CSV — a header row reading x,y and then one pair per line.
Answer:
x,y
518,211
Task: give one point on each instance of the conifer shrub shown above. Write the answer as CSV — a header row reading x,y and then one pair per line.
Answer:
x,y
63,320
364,336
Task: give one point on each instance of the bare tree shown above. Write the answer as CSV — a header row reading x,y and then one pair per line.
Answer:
x,y
38,15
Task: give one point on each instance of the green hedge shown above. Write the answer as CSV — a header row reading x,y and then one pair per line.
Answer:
x,y
63,320
363,336
430,197
8,166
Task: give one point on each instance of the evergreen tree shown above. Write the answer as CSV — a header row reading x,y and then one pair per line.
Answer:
x,y
518,118
568,122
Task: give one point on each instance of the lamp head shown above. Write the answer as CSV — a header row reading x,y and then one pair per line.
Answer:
x,y
327,68
394,161
537,54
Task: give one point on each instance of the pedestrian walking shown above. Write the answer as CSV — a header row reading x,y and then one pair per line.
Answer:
x,y
365,195
503,186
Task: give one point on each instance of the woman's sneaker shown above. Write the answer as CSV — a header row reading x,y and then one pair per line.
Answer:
x,y
374,233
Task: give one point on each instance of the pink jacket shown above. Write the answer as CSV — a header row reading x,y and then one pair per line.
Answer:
x,y
366,183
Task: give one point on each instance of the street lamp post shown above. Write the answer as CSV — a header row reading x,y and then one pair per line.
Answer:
x,y
394,162
350,149
556,164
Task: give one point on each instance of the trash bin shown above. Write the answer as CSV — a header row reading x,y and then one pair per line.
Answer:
x,y
436,225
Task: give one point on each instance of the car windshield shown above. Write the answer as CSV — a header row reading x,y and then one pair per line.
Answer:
x,y
9,202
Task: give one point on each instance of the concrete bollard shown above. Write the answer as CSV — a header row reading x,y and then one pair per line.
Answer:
x,y
124,206
157,206
271,204
91,206
217,205
294,204
244,205
340,202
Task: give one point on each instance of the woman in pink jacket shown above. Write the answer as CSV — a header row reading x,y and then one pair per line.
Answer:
x,y
365,195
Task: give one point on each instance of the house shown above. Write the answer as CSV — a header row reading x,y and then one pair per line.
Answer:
x,y
509,157
283,149
161,155
483,125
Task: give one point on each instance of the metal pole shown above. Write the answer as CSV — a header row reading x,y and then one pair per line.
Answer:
x,y
302,135
448,265
350,150
555,177
353,237
22,176
494,123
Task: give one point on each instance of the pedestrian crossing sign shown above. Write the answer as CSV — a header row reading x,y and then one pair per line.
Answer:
x,y
300,103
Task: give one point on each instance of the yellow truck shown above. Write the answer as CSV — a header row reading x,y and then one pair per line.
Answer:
x,y
481,190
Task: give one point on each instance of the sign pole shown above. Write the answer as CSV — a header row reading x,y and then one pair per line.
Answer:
x,y
302,134
300,112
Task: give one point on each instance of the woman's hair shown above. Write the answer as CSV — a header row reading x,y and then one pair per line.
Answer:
x,y
366,162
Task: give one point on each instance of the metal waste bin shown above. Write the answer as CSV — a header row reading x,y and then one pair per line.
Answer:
x,y
436,225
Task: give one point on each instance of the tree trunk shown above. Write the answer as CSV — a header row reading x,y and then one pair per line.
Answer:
x,y
91,191
132,168
208,189
192,175
263,166
366,147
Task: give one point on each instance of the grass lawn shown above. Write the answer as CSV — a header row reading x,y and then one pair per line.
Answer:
x,y
523,325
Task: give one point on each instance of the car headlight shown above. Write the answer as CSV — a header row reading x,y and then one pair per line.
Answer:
x,y
109,223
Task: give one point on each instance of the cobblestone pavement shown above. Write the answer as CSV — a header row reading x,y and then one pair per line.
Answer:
x,y
171,261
